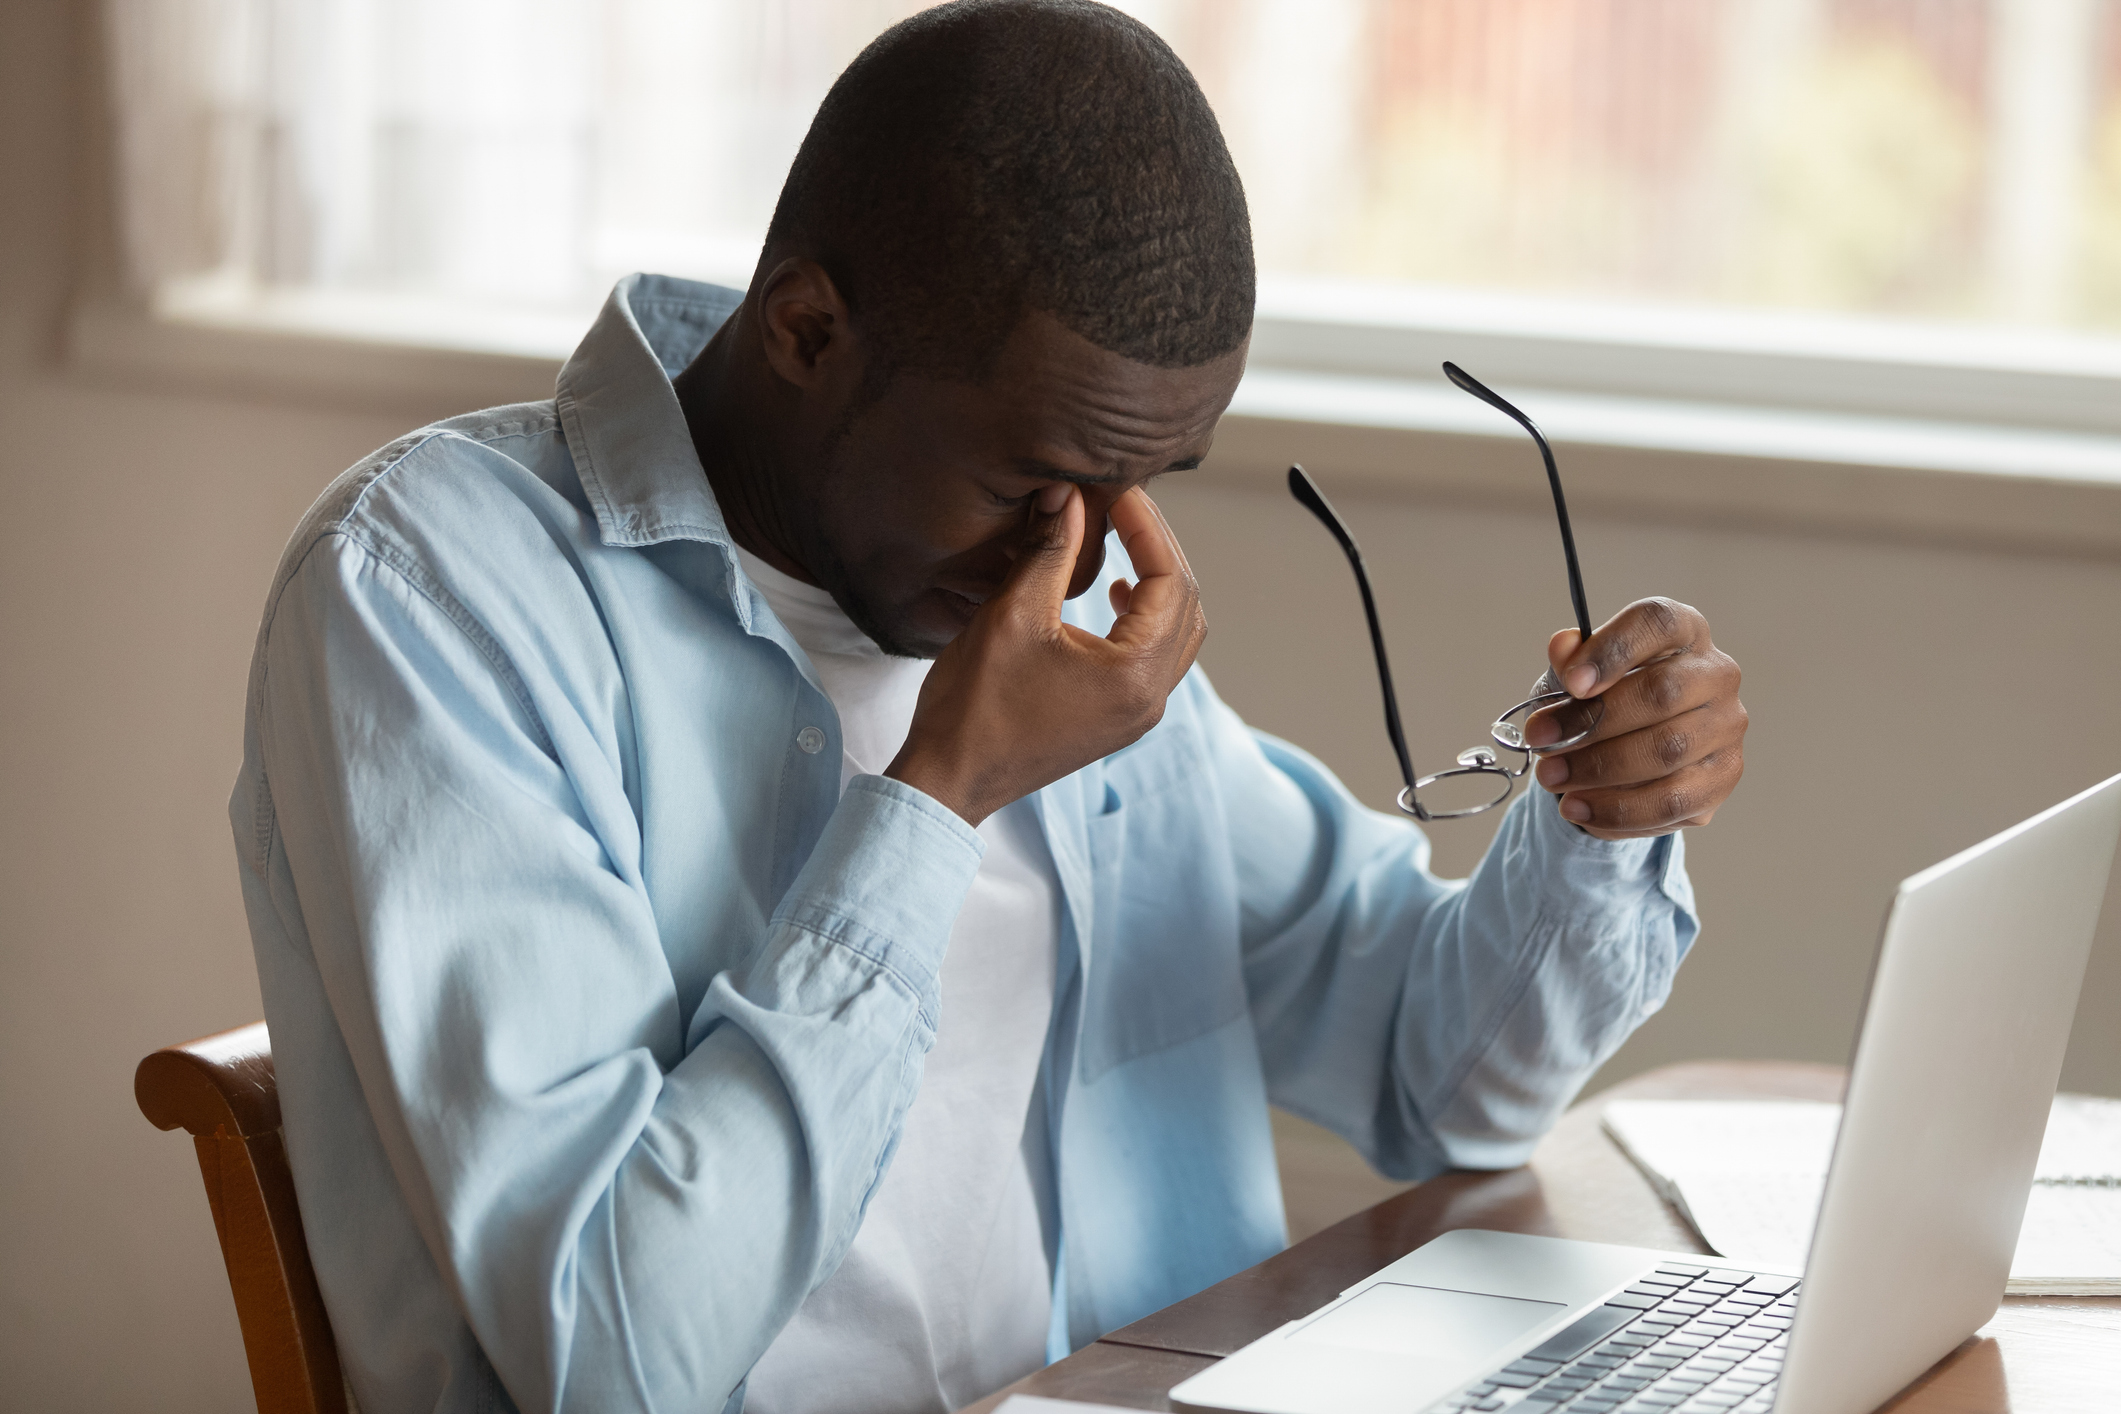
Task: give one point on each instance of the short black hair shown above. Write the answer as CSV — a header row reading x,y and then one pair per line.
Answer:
x,y
986,158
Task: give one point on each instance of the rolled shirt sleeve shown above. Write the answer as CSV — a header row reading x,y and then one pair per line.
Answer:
x,y
1437,1023
627,1202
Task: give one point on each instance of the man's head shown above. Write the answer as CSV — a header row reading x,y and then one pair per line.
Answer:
x,y
1013,251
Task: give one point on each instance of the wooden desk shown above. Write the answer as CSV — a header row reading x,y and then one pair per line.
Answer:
x,y
2040,1354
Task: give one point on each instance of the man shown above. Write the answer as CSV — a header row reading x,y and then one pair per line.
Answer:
x,y
687,995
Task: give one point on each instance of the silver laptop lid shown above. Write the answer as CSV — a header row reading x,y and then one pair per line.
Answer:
x,y
1960,1049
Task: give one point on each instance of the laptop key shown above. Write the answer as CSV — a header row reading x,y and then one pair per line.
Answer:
x,y
1529,1366
1586,1331
1632,1301
1510,1381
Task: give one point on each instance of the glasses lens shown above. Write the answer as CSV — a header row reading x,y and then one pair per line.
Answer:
x,y
1576,720
1465,791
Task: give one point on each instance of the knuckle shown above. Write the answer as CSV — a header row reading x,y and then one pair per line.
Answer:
x,y
1670,748
1665,692
1666,618
1139,702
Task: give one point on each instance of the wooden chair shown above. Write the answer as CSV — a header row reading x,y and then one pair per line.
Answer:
x,y
221,1088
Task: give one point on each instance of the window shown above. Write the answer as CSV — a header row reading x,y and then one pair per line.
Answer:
x,y
1896,208
1952,159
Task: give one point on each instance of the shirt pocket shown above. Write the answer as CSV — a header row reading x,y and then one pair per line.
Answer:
x,y
1162,965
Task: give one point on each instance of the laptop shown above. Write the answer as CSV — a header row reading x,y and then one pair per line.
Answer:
x,y
1971,999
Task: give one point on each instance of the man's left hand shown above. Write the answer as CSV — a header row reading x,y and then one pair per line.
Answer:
x,y
1670,739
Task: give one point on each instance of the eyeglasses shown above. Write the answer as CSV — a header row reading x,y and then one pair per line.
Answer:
x,y
1480,781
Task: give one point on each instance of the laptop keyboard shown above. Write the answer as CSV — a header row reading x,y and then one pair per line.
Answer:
x,y
1682,1340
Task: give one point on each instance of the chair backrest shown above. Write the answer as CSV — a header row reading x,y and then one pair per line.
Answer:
x,y
221,1088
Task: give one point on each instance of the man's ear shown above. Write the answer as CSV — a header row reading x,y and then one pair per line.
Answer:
x,y
803,326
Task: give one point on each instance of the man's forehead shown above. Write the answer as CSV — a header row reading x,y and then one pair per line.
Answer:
x,y
1041,350
1068,394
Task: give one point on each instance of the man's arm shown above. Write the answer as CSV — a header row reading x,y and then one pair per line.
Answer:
x,y
1437,1023
628,1202
1440,1024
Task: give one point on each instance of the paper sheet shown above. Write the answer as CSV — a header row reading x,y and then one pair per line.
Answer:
x,y
1748,1176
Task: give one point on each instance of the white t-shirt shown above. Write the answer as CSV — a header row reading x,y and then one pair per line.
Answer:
x,y
945,1294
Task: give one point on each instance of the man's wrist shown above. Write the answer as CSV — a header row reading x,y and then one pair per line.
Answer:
x,y
933,778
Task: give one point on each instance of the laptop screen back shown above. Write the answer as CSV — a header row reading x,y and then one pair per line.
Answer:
x,y
1969,1013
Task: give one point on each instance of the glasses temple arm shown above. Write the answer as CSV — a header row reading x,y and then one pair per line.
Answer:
x,y
1568,539
1314,501
1466,382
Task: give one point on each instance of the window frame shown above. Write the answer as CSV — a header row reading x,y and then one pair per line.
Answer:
x,y
1997,437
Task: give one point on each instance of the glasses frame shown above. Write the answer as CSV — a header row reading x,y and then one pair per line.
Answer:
x,y
1506,732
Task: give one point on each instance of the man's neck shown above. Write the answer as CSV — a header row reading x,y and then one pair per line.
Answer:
x,y
722,393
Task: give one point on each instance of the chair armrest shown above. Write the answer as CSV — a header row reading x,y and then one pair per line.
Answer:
x,y
216,1083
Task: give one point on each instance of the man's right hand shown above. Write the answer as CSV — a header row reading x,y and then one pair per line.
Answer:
x,y
1020,699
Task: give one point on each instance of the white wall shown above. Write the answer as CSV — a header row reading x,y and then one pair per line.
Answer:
x,y
1907,701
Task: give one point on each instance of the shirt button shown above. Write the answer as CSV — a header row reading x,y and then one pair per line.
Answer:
x,y
811,740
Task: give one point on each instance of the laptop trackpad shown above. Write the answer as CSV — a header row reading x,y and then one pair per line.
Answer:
x,y
1426,1321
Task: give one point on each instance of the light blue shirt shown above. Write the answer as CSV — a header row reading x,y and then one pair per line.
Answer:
x,y
596,1005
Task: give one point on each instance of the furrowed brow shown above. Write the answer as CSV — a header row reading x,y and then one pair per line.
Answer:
x,y
1032,467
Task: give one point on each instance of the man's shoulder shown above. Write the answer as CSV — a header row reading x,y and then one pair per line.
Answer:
x,y
491,482
452,463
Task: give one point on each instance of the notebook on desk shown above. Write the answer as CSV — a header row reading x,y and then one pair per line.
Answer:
x,y
1972,995
1747,1174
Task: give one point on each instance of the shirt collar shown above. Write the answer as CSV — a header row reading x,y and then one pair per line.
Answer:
x,y
631,447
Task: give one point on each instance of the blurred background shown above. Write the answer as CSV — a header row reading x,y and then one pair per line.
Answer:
x,y
1820,297
1941,158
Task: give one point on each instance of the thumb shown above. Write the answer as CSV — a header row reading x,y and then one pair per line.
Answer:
x,y
1559,648
1045,556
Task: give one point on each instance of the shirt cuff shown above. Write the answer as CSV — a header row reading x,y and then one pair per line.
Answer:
x,y
887,878
1586,862
1614,861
